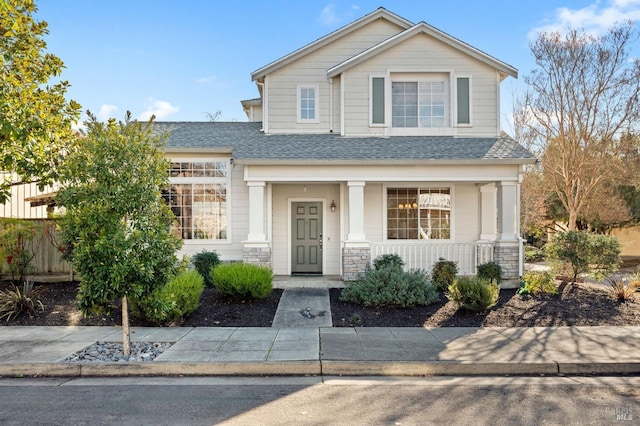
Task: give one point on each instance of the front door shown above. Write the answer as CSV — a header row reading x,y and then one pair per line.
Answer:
x,y
306,237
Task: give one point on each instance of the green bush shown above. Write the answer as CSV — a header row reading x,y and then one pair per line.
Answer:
x,y
390,286
490,271
388,260
18,301
243,281
177,299
443,273
582,252
533,254
473,293
204,262
538,283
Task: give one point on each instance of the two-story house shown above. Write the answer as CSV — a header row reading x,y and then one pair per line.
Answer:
x,y
381,137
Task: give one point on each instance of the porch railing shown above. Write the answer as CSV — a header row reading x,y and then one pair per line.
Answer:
x,y
423,255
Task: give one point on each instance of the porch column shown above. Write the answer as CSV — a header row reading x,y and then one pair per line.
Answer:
x,y
256,249
356,211
488,212
508,245
356,253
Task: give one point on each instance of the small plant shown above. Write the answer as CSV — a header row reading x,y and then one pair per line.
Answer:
x,y
538,283
533,254
243,281
204,262
18,301
490,271
177,299
388,261
390,286
443,273
19,239
473,293
622,288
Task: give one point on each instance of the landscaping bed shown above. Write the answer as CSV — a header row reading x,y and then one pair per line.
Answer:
x,y
577,304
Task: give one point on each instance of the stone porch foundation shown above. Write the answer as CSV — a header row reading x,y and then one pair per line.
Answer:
x,y
508,257
260,256
354,262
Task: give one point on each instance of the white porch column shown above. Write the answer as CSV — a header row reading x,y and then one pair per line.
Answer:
x,y
488,212
356,211
508,220
256,212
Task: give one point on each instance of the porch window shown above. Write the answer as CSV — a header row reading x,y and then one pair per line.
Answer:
x,y
418,213
198,198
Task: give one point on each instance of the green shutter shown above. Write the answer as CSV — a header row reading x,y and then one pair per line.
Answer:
x,y
377,100
464,110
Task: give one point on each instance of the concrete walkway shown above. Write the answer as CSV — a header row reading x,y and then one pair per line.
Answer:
x,y
303,307
36,351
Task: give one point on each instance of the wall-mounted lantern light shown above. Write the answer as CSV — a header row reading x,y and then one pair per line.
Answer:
x,y
333,205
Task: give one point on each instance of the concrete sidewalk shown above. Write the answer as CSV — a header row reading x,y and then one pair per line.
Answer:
x,y
202,351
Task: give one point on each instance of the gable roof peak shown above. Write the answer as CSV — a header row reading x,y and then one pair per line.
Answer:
x,y
379,13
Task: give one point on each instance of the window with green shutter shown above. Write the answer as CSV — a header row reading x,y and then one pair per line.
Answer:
x,y
377,100
463,90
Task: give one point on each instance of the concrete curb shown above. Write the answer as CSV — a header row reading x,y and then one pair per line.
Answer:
x,y
574,368
438,368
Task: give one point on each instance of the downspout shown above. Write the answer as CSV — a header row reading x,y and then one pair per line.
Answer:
x,y
330,105
265,114
342,79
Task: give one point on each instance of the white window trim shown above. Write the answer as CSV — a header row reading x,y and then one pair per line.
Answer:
x,y
316,88
419,185
226,180
455,100
387,101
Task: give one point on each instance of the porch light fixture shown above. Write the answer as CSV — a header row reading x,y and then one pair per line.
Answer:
x,y
333,205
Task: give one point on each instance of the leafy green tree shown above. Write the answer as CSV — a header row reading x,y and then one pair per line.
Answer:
x,y
116,220
35,118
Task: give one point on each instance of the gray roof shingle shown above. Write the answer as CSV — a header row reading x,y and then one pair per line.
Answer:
x,y
250,145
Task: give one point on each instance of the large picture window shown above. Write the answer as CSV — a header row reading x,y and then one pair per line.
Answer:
x,y
418,213
419,104
198,199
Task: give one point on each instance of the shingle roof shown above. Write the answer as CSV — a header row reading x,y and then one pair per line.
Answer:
x,y
250,145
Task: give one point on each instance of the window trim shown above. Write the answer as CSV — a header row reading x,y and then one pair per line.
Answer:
x,y
316,103
211,179
418,186
455,86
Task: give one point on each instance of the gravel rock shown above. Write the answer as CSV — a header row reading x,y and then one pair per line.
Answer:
x,y
112,352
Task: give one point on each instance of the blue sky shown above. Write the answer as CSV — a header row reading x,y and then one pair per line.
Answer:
x,y
182,59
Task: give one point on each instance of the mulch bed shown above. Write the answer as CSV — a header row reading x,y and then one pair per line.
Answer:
x,y
576,304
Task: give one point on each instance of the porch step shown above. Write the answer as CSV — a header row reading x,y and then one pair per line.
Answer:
x,y
303,307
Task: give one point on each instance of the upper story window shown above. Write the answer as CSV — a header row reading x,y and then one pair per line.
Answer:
x,y
308,104
198,199
419,104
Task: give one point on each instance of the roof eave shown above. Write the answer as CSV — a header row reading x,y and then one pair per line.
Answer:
x,y
228,150
386,162
323,41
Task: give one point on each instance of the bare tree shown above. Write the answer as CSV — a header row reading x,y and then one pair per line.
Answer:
x,y
213,116
583,96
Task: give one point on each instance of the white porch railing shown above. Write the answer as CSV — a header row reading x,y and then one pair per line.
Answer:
x,y
423,255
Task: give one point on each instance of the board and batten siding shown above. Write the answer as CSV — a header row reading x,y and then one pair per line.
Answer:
x,y
312,69
422,53
17,207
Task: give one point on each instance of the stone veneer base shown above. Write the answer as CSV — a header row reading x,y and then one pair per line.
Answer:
x,y
354,262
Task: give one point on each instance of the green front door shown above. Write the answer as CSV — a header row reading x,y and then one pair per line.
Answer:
x,y
306,237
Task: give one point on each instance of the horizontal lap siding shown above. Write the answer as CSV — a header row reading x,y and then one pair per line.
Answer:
x,y
312,69
422,53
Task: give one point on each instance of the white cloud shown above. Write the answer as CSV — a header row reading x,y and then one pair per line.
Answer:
x,y
330,16
161,109
106,112
595,18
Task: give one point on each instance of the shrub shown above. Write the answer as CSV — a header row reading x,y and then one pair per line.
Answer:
x,y
243,280
443,273
390,286
490,271
19,239
17,301
388,261
538,283
473,293
177,299
204,262
584,252
533,254
622,288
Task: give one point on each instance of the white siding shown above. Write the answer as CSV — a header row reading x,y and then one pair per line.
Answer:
x,y
17,207
282,194
422,54
312,69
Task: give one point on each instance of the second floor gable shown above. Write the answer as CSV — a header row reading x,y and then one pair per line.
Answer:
x,y
382,76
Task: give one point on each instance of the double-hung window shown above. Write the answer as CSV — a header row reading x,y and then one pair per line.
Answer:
x,y
307,109
198,198
418,213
